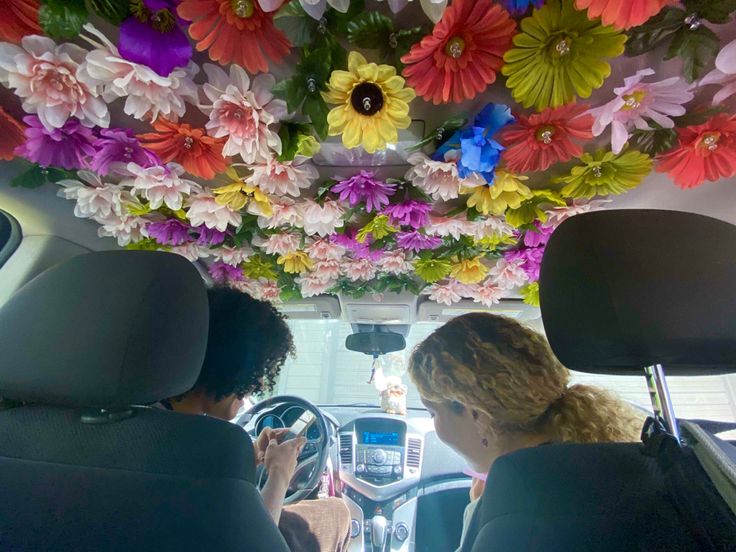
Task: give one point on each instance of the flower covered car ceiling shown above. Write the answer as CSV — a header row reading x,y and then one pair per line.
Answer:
x,y
213,159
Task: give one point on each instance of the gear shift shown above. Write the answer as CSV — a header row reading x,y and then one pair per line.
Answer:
x,y
379,533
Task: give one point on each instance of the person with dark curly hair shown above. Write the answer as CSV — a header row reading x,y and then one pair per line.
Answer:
x,y
248,343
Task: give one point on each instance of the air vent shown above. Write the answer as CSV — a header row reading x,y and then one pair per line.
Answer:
x,y
346,449
414,452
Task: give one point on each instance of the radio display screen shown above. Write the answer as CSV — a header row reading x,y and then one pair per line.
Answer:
x,y
379,432
381,438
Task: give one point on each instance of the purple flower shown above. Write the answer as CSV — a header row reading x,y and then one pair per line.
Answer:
x,y
359,250
169,232
222,272
364,187
209,236
116,147
531,258
518,7
409,213
66,147
539,236
152,36
416,241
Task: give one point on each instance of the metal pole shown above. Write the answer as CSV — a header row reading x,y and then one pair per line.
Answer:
x,y
660,397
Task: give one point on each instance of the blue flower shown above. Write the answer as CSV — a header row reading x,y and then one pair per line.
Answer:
x,y
479,152
518,7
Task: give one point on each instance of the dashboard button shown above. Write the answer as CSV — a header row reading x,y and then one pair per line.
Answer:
x,y
379,456
401,531
360,468
355,529
398,470
374,469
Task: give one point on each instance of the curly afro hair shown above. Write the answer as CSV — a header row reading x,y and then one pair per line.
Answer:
x,y
248,343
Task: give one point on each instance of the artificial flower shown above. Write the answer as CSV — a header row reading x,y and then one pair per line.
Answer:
x,y
361,269
434,9
724,74
259,268
469,271
160,185
538,235
170,232
622,14
409,213
480,153
190,251
432,270
126,229
507,275
152,36
440,179
13,134
325,250
637,101
207,237
315,8
537,142
238,194
378,228
445,226
359,250
94,198
371,104
115,148
529,259
199,154
604,173
329,270
312,284
295,262
284,212
445,294
68,147
222,272
364,188
235,31
534,208
462,55
395,262
279,244
233,256
19,18
507,191
46,77
307,146
519,7
417,241
242,113
284,177
530,294
321,220
205,210
147,94
262,289
704,152
559,54
492,227
487,293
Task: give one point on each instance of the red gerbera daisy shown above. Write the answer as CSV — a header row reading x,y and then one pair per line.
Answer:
x,y
235,31
462,55
199,154
706,151
19,18
536,142
13,134
622,14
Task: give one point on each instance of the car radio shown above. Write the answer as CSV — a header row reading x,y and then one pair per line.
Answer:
x,y
380,452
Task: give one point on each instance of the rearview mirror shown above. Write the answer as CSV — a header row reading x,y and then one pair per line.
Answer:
x,y
375,343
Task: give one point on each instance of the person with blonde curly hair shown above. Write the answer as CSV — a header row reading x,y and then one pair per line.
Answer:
x,y
494,386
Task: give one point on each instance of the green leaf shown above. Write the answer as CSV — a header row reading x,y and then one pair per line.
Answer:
x,y
35,176
62,19
370,30
289,134
655,141
698,116
338,22
715,11
114,11
291,294
441,133
697,48
296,24
316,109
289,91
655,31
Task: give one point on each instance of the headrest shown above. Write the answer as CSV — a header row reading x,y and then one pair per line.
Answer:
x,y
621,290
106,329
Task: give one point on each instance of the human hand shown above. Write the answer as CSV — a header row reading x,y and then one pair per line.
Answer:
x,y
280,459
266,436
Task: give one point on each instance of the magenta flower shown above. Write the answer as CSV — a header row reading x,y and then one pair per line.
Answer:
x,y
67,147
359,250
531,260
152,36
116,147
223,273
409,213
416,241
209,236
363,187
169,232
538,236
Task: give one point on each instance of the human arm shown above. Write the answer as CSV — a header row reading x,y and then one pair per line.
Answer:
x,y
280,461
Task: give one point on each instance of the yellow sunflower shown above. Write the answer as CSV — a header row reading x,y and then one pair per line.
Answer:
x,y
237,194
372,104
507,190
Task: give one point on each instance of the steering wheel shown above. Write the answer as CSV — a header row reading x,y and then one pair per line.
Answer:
x,y
313,457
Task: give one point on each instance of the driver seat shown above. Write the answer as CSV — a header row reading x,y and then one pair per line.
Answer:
x,y
81,468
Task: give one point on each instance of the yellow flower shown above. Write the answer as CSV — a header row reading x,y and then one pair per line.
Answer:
x,y
506,191
469,271
296,262
372,104
238,194
494,241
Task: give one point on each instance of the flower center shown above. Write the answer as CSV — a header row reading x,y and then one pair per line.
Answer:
x,y
242,8
562,46
597,172
710,140
455,47
312,85
188,142
693,22
633,100
545,133
367,98
161,20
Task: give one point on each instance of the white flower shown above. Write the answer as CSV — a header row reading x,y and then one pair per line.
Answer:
x,y
432,8
284,178
94,199
507,275
232,255
243,114
361,269
46,77
449,226
284,212
487,294
491,227
394,262
325,250
724,74
204,210
322,219
328,270
558,215
440,179
279,244
312,284
126,229
146,92
445,294
191,251
160,185
315,8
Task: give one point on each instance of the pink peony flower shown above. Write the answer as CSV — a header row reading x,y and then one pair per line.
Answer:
x,y
279,244
45,76
94,198
160,185
312,284
232,255
284,212
724,74
637,101
204,210
487,293
126,229
69,147
328,270
267,290
491,227
454,227
558,215
147,94
325,250
395,262
191,251
439,179
508,275
445,293
323,219
284,178
360,269
243,114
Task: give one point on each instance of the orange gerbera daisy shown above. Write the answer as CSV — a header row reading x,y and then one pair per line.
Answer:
x,y
13,135
622,14
462,55
19,18
199,154
235,31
